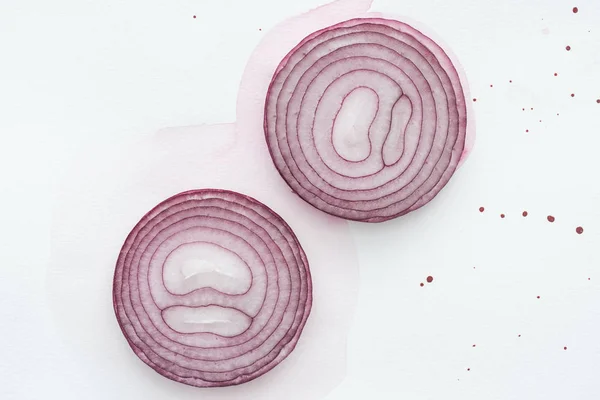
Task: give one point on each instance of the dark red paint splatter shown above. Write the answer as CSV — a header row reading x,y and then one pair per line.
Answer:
x,y
572,94
519,335
473,345
502,215
538,297
579,230
550,218
524,213
598,101
531,108
565,347
429,279
523,109
474,99
421,284
568,48
194,16
526,130
468,369
575,10
481,209
509,81
555,74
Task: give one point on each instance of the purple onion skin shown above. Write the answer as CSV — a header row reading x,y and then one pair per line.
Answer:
x,y
211,215
416,137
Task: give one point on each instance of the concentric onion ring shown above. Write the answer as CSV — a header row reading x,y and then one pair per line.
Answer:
x,y
270,298
412,136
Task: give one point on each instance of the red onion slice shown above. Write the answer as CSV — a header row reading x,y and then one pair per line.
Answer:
x,y
410,119
212,288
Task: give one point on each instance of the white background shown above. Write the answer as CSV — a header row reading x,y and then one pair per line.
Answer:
x,y
80,75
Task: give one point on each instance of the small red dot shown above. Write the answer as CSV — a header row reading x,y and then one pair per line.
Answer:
x,y
523,109
468,369
579,230
194,16
429,279
550,218
588,279
598,101
568,48
519,335
526,130
575,10
491,85
540,120
481,209
524,213
538,297
565,347
531,108
555,74
572,94
474,99
502,215
421,284
473,345
509,81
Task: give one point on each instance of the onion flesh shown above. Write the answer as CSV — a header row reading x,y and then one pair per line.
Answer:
x,y
212,288
405,139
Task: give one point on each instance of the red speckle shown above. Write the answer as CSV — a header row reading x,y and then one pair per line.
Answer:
x,y
540,120
473,345
538,297
555,74
568,48
579,230
491,85
575,10
519,335
523,109
550,218
509,81
260,29
481,209
588,279
524,213
502,215
468,369
474,99
429,279
531,108
598,101
421,284
572,94
565,347
194,16
526,130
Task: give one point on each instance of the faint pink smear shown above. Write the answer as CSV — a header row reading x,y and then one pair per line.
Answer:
x,y
108,192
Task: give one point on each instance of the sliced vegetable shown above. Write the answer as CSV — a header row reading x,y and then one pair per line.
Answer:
x,y
366,119
212,288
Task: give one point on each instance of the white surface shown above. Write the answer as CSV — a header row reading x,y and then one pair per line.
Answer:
x,y
76,75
